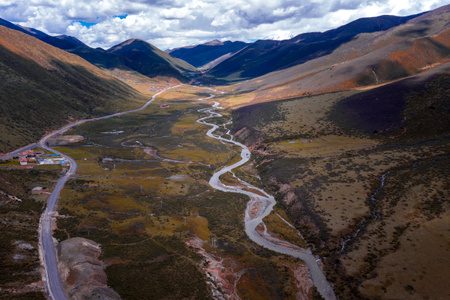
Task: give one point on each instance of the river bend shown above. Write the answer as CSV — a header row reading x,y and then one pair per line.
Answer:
x,y
266,204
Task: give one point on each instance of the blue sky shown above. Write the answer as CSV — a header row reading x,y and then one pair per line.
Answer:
x,y
176,23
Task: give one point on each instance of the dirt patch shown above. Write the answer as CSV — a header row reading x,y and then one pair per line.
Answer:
x,y
222,278
82,272
62,140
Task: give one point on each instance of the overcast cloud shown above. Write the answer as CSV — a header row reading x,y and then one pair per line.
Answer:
x,y
176,23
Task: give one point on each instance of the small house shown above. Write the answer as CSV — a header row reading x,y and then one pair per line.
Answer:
x,y
37,190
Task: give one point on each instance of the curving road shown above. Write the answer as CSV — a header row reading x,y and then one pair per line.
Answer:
x,y
47,246
16,152
268,201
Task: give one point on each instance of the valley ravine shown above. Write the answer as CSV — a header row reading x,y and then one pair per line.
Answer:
x,y
267,203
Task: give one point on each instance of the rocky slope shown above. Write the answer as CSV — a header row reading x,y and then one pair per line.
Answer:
x,y
82,272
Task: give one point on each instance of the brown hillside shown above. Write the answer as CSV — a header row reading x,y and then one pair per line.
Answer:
x,y
41,52
370,59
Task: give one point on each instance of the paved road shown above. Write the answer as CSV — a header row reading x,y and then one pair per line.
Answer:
x,y
53,279
18,151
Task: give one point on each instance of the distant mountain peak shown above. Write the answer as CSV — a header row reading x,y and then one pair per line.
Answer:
x,y
214,43
148,60
203,54
131,41
71,39
135,40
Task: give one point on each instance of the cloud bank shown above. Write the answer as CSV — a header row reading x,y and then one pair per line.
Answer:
x,y
176,23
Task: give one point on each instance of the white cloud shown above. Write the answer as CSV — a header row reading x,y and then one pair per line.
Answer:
x,y
224,19
177,13
283,12
175,23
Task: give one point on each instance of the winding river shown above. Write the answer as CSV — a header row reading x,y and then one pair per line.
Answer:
x,y
264,204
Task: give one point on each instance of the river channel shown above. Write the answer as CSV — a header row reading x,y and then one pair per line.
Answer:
x,y
265,202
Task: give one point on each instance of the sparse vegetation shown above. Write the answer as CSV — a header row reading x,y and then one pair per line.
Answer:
x,y
330,185
19,261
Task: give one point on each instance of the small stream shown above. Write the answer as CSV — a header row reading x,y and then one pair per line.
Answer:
x,y
266,202
375,214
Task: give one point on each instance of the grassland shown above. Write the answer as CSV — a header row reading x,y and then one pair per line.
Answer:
x,y
36,98
369,197
368,203
142,192
19,213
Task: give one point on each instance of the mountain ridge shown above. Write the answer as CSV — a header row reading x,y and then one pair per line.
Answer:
x,y
107,59
202,54
369,59
265,56
137,45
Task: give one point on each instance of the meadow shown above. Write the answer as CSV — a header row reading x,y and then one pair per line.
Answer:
x,y
367,204
142,192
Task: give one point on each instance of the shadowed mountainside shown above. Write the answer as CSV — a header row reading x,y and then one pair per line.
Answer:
x,y
200,55
43,88
413,108
266,56
368,59
416,107
149,60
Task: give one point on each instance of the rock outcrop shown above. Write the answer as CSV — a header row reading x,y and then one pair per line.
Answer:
x,y
82,272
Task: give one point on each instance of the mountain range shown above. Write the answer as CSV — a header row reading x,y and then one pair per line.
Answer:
x,y
365,52
131,55
208,55
422,43
348,130
265,56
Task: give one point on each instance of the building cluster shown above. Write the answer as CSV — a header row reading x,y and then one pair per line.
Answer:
x,y
40,158
157,89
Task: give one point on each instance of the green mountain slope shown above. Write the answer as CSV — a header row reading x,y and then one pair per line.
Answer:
x,y
42,88
149,60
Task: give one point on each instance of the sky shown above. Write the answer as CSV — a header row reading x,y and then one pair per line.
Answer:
x,y
176,23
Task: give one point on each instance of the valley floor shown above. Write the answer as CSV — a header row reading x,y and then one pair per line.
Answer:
x,y
368,207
